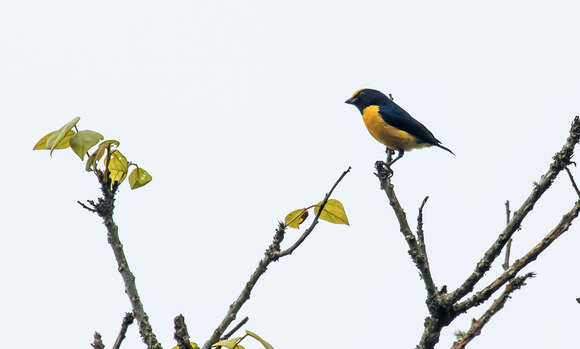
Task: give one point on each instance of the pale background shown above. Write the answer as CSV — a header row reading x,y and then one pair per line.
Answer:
x,y
237,110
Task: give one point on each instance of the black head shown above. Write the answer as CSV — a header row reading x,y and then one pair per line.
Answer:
x,y
365,97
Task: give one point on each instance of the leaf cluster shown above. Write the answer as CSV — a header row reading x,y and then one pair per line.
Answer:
x,y
114,165
234,343
332,212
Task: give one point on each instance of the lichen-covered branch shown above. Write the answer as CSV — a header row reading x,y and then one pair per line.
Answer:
x,y
415,251
181,335
97,341
105,208
519,264
127,320
497,305
560,161
273,253
445,307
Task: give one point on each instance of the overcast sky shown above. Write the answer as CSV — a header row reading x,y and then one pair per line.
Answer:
x,y
237,110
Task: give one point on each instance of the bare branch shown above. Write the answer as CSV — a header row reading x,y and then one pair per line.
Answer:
x,y
97,341
127,320
415,251
443,307
105,208
506,263
420,235
181,335
573,181
237,327
561,160
477,325
519,264
90,209
273,253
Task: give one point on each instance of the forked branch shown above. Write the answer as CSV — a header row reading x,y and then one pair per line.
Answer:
x,y
445,307
273,253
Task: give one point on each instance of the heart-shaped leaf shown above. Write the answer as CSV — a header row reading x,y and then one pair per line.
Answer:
x,y
118,167
64,143
83,141
138,178
57,136
333,212
295,218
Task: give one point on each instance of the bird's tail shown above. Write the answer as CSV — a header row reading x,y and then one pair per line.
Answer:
x,y
443,147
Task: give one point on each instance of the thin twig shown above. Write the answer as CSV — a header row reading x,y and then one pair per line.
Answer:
x,y
519,264
497,305
561,160
273,253
90,209
97,341
181,335
437,309
416,253
237,327
573,181
314,222
420,235
506,263
127,320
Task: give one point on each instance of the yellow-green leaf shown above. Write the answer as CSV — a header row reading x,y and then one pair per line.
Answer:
x,y
64,143
58,135
91,161
194,345
295,218
103,146
118,167
264,343
139,177
230,343
83,141
333,212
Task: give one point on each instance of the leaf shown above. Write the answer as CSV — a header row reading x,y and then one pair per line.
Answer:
x,y
333,212
57,136
264,343
83,141
91,162
139,177
64,143
194,345
230,343
118,167
103,146
295,218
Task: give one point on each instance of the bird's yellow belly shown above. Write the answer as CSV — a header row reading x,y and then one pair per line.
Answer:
x,y
390,136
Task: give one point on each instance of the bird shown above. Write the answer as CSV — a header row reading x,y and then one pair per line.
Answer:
x,y
390,124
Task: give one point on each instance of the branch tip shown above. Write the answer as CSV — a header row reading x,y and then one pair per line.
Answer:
x,y
273,253
97,341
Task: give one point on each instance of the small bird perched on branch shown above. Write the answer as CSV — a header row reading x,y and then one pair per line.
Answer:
x,y
390,124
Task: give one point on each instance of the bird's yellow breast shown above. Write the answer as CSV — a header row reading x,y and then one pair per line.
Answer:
x,y
390,136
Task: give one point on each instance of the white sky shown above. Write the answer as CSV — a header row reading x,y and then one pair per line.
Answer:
x,y
237,110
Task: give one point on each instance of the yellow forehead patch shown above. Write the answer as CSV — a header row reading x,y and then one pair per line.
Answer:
x,y
356,92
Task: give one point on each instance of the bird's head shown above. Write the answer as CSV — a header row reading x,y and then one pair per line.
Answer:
x,y
365,96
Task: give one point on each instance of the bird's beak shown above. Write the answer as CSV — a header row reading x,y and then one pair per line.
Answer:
x,y
350,100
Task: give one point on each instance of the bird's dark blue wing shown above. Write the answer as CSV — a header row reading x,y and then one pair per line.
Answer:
x,y
397,117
